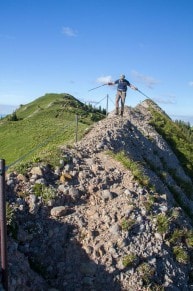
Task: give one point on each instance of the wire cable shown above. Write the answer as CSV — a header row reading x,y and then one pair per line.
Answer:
x,y
36,147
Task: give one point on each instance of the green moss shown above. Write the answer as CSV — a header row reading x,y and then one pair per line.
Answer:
x,y
176,236
127,224
146,273
189,239
46,193
129,260
162,223
181,255
11,221
135,167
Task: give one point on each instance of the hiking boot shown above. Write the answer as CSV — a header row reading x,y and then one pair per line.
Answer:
x,y
121,113
117,111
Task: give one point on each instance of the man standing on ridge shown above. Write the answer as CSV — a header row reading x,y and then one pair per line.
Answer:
x,y
121,92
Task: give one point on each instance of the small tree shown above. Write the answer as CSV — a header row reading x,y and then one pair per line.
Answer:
x,y
13,117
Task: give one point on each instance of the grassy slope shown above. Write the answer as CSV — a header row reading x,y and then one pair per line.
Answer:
x,y
43,126
176,138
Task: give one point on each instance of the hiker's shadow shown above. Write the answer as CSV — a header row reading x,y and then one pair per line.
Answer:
x,y
56,255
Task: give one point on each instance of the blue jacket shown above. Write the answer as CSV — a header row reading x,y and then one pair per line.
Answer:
x,y
122,85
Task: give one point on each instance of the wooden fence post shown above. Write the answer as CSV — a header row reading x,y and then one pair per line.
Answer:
x,y
3,226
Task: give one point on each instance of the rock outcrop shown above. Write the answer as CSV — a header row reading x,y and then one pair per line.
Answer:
x,y
89,224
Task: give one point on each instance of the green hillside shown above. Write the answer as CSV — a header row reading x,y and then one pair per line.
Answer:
x,y
178,135
38,129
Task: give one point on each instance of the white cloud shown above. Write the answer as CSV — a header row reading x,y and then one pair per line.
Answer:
x,y
147,80
191,83
167,99
104,79
69,31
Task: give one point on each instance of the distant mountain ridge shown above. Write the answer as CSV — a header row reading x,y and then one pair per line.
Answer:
x,y
6,109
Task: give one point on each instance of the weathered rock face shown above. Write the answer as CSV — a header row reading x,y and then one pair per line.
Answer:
x,y
90,225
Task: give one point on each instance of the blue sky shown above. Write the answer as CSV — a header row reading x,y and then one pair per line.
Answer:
x,y
71,46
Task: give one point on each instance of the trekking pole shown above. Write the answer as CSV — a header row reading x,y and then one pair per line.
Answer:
x,y
97,87
142,93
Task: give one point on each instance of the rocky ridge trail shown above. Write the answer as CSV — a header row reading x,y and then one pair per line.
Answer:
x,y
93,226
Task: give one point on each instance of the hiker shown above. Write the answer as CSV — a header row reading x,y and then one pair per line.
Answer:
x,y
121,92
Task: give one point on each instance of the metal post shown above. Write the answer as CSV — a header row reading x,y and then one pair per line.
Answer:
x,y
3,226
76,127
107,104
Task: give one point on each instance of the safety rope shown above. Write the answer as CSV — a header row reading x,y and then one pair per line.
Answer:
x,y
101,100
112,101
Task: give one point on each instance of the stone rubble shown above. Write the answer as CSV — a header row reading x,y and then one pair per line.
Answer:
x,y
92,229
